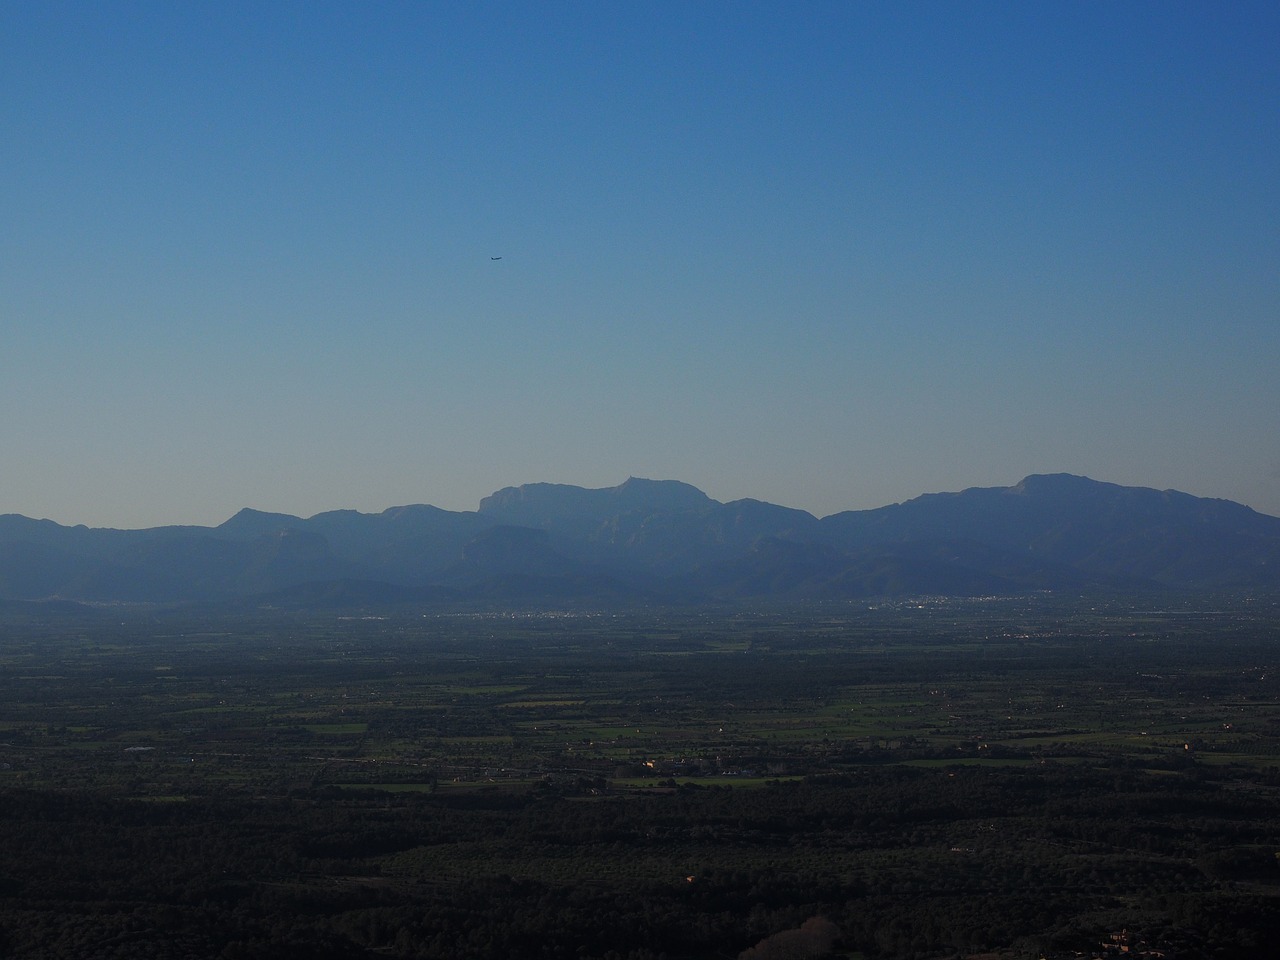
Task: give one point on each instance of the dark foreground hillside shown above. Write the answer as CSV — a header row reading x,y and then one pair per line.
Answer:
x,y
902,862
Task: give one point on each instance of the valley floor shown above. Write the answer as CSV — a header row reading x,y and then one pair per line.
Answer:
x,y
1028,778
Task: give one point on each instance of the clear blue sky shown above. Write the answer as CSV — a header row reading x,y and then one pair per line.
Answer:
x,y
831,255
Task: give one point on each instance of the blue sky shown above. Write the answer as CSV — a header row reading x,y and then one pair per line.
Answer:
x,y
831,255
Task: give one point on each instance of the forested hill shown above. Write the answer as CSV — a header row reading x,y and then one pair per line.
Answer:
x,y
666,541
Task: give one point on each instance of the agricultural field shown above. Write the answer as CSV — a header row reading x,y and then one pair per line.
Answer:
x,y
1012,777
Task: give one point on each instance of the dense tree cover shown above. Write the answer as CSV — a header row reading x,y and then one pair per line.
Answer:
x,y
903,861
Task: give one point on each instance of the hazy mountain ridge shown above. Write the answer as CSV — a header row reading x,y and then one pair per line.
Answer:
x,y
663,540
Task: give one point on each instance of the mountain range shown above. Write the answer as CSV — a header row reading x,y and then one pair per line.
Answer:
x,y
663,541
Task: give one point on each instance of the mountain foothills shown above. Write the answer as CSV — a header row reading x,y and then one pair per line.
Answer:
x,y
663,541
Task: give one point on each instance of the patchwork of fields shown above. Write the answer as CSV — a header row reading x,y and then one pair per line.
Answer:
x,y
935,778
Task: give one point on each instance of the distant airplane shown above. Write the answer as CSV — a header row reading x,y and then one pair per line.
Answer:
x,y
495,258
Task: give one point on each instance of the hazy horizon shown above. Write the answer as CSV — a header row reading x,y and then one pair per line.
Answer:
x,y
284,510
831,257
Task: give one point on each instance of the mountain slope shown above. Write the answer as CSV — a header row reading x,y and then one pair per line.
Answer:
x,y
647,539
1100,529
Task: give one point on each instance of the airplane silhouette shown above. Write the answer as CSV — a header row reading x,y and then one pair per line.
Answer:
x,y
495,258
